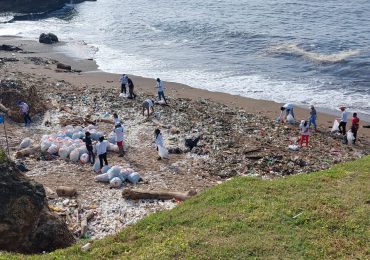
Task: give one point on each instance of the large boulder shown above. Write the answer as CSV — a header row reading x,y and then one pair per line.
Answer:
x,y
48,38
26,223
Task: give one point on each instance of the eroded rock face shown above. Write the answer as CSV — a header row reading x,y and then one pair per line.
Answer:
x,y
26,224
12,90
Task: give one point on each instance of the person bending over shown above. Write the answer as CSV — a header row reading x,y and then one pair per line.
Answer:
x,y
148,105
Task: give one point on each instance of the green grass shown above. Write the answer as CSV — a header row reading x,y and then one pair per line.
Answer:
x,y
312,216
2,156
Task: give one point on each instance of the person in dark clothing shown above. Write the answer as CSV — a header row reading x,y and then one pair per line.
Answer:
x,y
89,147
131,94
355,126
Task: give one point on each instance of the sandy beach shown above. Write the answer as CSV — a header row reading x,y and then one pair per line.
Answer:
x,y
239,135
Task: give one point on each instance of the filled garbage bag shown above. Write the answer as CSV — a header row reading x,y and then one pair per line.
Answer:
x,y
84,158
114,172
96,166
112,138
53,149
102,177
26,142
64,152
134,177
126,172
122,176
115,182
113,148
45,146
350,137
335,127
83,150
290,119
75,155
105,169
162,152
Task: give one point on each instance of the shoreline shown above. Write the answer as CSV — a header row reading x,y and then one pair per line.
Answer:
x,y
269,108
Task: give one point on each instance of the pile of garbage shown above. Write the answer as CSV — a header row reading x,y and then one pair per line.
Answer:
x,y
68,143
115,175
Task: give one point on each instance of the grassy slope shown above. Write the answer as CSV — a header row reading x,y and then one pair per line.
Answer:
x,y
319,215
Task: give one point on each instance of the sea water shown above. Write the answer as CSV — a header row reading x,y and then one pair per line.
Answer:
x,y
300,51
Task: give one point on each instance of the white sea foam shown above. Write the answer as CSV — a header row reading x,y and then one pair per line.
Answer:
x,y
294,49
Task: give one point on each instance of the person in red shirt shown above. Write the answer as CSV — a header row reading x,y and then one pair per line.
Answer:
x,y
355,126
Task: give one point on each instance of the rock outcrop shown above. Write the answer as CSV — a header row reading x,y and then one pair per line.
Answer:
x,y
12,90
48,38
26,224
34,6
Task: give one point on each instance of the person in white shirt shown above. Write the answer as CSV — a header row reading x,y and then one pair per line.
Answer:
x,y
116,119
124,82
101,150
288,108
343,120
119,130
25,110
160,88
148,105
305,133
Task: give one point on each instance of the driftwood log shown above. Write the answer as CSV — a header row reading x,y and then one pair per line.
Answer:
x,y
84,223
159,124
64,191
3,108
75,120
162,195
104,120
27,151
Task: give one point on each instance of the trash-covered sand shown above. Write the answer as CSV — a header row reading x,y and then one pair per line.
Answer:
x,y
229,142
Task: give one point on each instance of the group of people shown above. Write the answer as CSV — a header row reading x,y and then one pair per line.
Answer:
x,y
102,144
127,82
305,125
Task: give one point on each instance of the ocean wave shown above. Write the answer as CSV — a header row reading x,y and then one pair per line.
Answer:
x,y
294,49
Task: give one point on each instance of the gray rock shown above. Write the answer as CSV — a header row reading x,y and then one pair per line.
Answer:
x,y
26,223
48,38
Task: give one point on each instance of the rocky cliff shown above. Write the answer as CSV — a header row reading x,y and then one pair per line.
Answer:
x,y
34,6
26,224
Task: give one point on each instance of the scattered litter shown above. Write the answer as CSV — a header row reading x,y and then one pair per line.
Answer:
x,y
27,142
293,147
